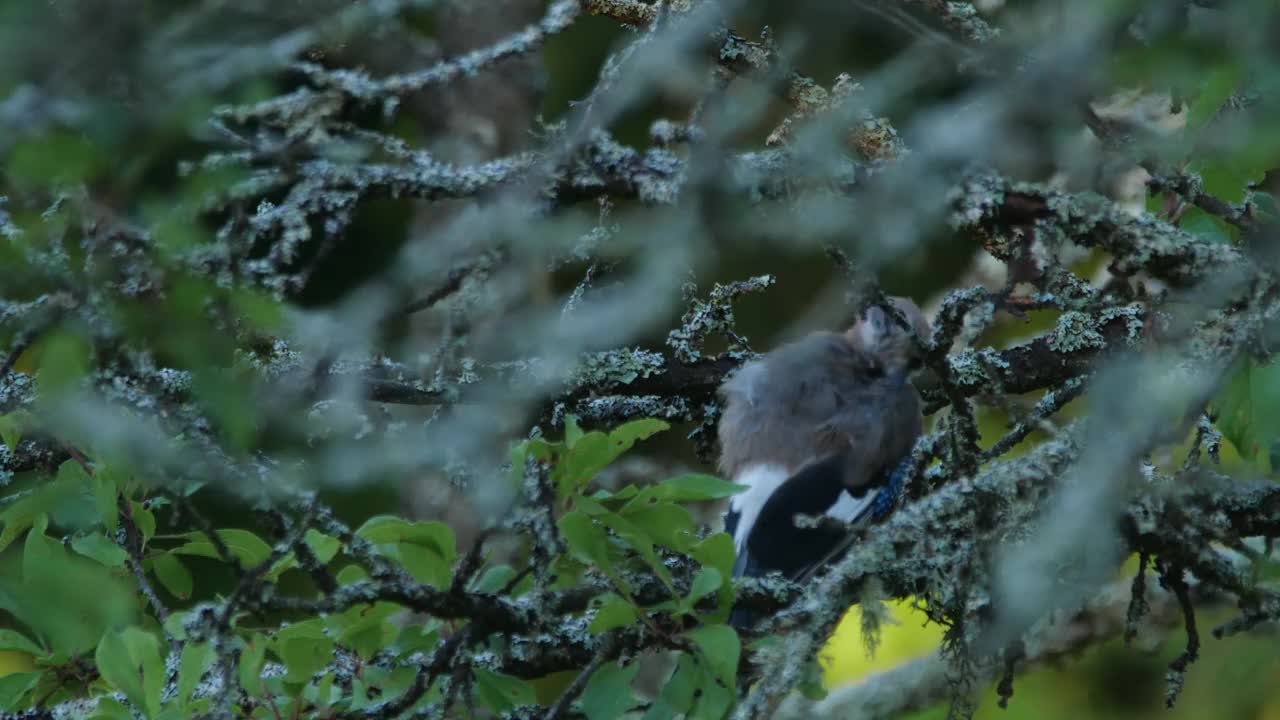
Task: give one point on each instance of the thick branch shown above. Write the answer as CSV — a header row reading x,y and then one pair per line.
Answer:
x,y
1003,214
920,683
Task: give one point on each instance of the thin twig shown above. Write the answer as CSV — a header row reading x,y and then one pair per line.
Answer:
x,y
579,683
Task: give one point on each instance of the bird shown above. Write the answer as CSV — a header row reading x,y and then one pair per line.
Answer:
x,y
819,426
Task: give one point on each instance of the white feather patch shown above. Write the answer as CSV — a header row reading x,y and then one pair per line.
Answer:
x,y
761,481
848,508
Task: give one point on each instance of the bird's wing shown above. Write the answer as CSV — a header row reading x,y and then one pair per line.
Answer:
x,y
850,508
775,542
741,561
877,422
775,406
761,480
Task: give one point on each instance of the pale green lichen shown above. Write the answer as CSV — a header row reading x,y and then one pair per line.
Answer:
x,y
1076,331
714,315
611,368
619,408
971,367
1134,317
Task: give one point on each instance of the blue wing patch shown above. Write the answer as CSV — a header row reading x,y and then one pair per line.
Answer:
x,y
731,518
887,499
742,564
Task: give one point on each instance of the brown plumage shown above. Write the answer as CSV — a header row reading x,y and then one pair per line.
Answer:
x,y
826,393
817,427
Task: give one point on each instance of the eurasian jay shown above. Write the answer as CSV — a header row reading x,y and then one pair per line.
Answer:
x,y
818,427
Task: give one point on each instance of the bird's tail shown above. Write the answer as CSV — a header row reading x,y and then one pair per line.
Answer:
x,y
743,566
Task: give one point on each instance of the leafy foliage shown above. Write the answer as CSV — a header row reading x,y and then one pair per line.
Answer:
x,y
82,650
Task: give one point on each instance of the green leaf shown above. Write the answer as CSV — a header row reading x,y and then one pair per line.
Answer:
x,y
587,540
56,157
248,548
260,310
172,711
716,551
98,547
612,611
67,601
194,661
427,549
227,397
1218,86
39,553
173,575
720,649
667,524
64,361
351,574
106,494
14,640
494,579
322,693
11,428
304,648
659,710
376,685
424,564
324,547
418,638
535,448
111,709
590,506
707,581
566,572
366,629
572,433
637,537
713,699
1249,408
627,434
145,520
695,487
130,662
678,693
17,518
608,693
612,497
630,533
1206,227
1227,179
589,455
500,692
594,451
251,660
49,498
14,687
175,625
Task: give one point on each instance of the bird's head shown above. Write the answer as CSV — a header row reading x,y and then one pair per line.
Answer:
x,y
882,336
